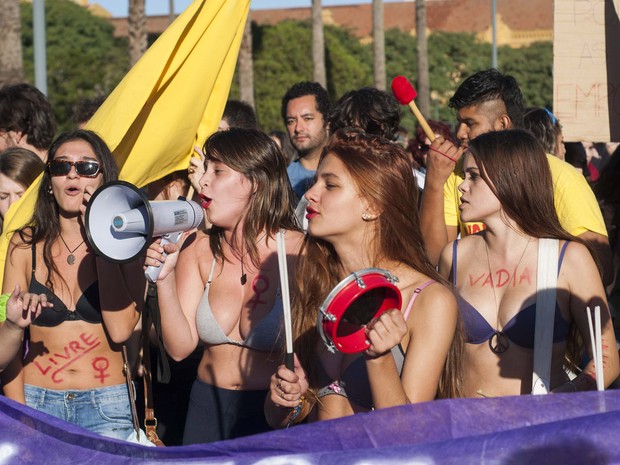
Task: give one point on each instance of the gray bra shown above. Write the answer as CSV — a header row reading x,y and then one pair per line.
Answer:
x,y
266,336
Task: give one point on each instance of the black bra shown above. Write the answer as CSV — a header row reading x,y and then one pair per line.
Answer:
x,y
87,308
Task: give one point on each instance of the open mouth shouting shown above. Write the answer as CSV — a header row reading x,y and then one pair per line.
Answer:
x,y
205,201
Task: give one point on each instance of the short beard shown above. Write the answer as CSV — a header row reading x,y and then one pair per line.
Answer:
x,y
303,152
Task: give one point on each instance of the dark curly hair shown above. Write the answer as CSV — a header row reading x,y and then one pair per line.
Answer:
x,y
25,109
488,85
301,89
375,111
240,114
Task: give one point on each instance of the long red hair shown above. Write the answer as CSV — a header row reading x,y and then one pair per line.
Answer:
x,y
382,174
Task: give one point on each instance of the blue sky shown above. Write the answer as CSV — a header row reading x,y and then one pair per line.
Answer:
x,y
160,7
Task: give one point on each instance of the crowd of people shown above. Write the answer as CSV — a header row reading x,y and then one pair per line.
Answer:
x,y
461,224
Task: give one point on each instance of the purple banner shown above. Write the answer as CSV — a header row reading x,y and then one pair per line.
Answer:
x,y
579,428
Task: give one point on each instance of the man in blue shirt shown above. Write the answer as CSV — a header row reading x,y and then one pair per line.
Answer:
x,y
305,109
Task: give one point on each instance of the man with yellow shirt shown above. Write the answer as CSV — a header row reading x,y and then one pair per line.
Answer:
x,y
491,101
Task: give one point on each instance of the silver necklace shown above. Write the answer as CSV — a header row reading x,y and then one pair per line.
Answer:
x,y
70,257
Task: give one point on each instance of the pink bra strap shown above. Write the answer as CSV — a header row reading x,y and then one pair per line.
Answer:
x,y
415,296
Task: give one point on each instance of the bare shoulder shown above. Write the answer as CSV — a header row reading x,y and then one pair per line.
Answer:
x,y
445,259
18,264
437,296
294,241
18,249
18,240
576,257
431,295
196,254
467,242
196,244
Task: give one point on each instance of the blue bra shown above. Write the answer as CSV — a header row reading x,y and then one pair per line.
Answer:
x,y
520,328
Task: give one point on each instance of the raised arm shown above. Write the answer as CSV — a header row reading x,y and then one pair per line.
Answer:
x,y
441,161
179,290
121,293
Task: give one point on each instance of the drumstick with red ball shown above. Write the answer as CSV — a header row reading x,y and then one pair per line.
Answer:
x,y
405,93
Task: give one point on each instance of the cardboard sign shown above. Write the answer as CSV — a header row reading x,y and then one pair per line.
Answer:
x,y
586,69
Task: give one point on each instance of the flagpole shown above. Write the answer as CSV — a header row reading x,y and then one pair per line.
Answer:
x,y
40,53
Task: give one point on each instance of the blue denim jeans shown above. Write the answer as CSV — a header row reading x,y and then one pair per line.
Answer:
x,y
105,410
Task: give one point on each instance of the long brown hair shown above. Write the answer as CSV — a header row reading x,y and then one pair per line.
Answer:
x,y
257,157
44,226
514,165
382,173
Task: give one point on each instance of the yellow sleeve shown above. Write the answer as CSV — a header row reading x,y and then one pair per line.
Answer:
x,y
575,202
451,201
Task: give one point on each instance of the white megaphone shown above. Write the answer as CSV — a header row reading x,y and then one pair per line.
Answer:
x,y
121,222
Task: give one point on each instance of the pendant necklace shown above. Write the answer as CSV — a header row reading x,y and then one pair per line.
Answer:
x,y
499,342
244,276
70,257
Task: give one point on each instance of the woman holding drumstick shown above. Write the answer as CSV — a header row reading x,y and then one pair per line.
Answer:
x,y
222,288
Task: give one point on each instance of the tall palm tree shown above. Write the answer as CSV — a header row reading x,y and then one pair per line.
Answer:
x,y
137,30
11,64
318,45
378,39
245,65
423,99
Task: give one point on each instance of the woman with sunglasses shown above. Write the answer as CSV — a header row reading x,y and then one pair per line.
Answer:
x,y
73,368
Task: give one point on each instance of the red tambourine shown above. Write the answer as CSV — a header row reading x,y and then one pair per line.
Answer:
x,y
349,307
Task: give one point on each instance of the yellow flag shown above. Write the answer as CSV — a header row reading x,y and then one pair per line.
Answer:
x,y
170,101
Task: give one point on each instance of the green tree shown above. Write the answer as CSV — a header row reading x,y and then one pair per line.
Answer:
x,y
11,64
452,57
282,57
83,57
401,58
532,67
349,63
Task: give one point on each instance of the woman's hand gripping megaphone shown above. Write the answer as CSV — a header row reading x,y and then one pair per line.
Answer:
x,y
162,255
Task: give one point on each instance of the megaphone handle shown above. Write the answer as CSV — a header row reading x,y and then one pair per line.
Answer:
x,y
152,272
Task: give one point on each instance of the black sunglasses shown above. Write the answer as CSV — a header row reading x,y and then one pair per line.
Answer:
x,y
88,169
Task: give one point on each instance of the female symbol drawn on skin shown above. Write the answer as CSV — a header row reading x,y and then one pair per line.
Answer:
x,y
259,290
101,364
